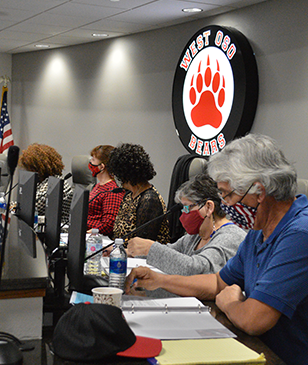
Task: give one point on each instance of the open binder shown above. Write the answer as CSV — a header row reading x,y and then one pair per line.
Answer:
x,y
172,319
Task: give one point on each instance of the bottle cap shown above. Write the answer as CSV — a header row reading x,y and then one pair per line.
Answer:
x,y
118,241
95,230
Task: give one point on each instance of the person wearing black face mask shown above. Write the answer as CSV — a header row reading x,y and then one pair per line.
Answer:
x,y
103,203
211,239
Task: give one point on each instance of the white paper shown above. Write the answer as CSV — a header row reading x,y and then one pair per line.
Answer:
x,y
131,264
172,318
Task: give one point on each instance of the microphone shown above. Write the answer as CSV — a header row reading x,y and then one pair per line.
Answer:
x,y
117,190
12,158
67,176
172,210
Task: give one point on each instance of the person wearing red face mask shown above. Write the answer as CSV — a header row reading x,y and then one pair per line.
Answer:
x,y
262,289
103,202
211,239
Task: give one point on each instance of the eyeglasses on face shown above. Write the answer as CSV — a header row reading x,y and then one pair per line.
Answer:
x,y
223,198
228,195
188,208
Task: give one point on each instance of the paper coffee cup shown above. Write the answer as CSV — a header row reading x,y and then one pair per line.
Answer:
x,y
106,295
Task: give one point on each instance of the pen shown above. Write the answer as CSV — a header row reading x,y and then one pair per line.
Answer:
x,y
138,288
152,361
134,281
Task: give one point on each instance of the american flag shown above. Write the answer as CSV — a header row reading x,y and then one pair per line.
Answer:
x,y
6,136
6,140
240,215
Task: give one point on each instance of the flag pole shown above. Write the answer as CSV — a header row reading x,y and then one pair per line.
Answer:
x,y
5,79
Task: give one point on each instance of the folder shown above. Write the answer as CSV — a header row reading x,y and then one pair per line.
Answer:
x,y
207,351
172,319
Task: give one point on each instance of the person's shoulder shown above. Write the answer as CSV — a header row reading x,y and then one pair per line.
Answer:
x,y
151,192
233,229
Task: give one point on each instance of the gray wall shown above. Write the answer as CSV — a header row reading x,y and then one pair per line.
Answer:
x,y
119,90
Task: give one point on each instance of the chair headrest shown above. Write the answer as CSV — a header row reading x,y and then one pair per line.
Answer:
x,y
80,171
197,166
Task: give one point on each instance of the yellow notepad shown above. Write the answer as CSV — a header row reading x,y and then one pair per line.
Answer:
x,y
208,351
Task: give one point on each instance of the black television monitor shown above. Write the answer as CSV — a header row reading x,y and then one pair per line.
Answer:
x,y
77,237
53,213
26,197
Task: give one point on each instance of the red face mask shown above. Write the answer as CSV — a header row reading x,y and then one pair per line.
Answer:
x,y
191,221
94,169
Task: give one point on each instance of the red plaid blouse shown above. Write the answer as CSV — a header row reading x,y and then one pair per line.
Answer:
x,y
103,207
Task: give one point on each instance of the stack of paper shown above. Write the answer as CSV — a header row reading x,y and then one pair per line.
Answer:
x,y
172,318
216,351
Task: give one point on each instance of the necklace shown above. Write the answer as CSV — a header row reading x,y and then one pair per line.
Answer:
x,y
226,224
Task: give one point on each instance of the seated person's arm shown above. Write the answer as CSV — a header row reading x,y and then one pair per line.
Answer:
x,y
203,287
138,247
249,315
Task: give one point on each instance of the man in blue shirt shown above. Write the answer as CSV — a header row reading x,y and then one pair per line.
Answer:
x,y
263,289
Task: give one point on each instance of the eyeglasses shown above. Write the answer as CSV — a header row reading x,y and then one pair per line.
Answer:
x,y
223,198
188,208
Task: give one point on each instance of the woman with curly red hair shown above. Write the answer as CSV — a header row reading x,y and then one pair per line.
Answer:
x,y
46,161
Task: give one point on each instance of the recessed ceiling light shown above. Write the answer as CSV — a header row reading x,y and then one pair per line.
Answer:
x,y
192,10
100,35
42,46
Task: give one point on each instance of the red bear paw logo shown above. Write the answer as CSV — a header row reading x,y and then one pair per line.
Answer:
x,y
211,88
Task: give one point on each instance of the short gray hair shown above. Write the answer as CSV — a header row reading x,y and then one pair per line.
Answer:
x,y
255,158
198,190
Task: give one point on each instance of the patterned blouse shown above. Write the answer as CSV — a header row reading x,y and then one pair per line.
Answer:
x,y
41,193
134,212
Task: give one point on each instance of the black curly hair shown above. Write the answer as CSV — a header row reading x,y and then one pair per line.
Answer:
x,y
129,163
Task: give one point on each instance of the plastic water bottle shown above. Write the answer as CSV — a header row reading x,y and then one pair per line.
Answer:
x,y
3,205
117,265
35,226
93,244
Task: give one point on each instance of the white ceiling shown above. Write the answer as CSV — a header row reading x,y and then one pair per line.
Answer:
x,y
59,23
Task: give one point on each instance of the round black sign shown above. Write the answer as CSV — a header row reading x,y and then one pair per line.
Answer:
x,y
215,90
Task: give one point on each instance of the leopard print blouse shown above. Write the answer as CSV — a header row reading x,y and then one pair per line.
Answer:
x,y
135,212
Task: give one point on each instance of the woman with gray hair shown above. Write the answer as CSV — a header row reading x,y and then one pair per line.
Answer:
x,y
271,264
211,239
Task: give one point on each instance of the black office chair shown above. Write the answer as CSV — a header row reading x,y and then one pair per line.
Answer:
x,y
185,167
81,175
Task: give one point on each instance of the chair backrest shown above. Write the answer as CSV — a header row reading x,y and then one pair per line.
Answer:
x,y
81,175
185,167
302,187
4,178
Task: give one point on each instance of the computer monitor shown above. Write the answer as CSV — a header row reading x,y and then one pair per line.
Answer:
x,y
77,237
25,210
53,212
4,175
26,196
